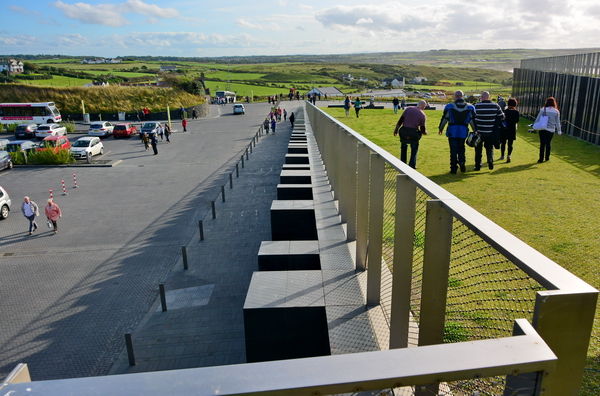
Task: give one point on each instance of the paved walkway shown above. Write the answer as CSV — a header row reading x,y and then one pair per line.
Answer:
x,y
203,325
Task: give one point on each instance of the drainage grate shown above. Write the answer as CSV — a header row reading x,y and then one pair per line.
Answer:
x,y
7,254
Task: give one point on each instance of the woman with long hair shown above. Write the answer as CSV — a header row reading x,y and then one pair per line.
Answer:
x,y
549,110
509,134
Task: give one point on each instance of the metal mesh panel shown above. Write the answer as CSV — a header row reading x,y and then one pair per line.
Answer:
x,y
486,292
418,250
389,215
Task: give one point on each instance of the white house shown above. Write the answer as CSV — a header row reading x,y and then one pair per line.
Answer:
x,y
164,68
418,80
395,82
12,65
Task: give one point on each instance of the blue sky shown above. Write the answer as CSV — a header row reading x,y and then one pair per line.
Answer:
x,y
111,28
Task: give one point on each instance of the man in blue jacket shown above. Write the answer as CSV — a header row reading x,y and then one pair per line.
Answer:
x,y
458,115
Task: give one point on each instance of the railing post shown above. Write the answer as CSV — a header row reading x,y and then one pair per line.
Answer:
x,y
375,229
564,320
351,182
362,207
404,231
436,266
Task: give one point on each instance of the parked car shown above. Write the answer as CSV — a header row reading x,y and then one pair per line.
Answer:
x,y
101,128
18,146
239,108
45,130
54,143
87,145
26,130
124,130
5,203
150,127
5,160
4,143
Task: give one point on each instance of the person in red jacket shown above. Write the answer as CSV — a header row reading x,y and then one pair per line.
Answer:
x,y
184,124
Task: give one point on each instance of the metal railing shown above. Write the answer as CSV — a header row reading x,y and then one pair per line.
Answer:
x,y
587,64
469,285
456,273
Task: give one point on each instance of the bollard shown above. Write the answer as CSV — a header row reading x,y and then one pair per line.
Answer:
x,y
255,139
51,193
242,160
230,180
184,254
250,149
237,171
129,345
201,228
223,193
163,298
247,153
64,188
75,180
214,211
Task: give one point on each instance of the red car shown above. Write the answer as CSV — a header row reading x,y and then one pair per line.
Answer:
x,y
125,129
55,143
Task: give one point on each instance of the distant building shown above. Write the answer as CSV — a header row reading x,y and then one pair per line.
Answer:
x,y
329,91
347,77
12,65
100,60
165,68
418,80
395,82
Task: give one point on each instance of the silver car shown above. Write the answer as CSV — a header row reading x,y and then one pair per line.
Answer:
x,y
87,146
4,203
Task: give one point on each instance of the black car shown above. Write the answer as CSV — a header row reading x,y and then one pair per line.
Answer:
x,y
25,131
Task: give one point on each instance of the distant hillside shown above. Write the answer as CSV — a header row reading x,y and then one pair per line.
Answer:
x,y
497,59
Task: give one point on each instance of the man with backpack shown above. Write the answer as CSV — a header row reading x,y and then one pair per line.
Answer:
x,y
458,115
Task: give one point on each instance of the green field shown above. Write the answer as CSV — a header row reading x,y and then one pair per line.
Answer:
x,y
539,203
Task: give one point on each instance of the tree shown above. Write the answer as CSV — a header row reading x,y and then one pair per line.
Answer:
x,y
30,67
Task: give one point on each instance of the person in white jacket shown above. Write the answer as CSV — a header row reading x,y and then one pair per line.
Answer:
x,y
550,110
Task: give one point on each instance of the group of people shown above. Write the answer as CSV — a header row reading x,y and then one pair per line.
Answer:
x,y
493,126
274,117
30,210
163,132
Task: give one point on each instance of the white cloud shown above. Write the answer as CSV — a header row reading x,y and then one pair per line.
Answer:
x,y
112,14
71,40
243,23
363,21
24,11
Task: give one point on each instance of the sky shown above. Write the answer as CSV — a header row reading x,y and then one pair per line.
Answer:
x,y
199,28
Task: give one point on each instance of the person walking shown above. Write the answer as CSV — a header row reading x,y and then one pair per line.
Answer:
x,y
53,213
154,143
284,115
30,211
357,104
146,113
146,140
487,113
161,132
292,119
396,103
549,110
411,125
403,104
266,124
167,133
273,125
182,112
509,134
184,124
194,114
347,105
458,115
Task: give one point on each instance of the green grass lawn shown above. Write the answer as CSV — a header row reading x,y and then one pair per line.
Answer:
x,y
552,206
59,81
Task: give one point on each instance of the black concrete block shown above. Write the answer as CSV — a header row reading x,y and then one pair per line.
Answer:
x,y
296,159
289,255
293,220
295,177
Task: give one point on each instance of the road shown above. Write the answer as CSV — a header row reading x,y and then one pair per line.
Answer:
x,y
67,299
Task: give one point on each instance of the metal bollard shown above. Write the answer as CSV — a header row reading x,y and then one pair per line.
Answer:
x,y
129,346
163,298
237,170
242,160
201,228
250,148
214,211
184,255
223,193
231,180
247,153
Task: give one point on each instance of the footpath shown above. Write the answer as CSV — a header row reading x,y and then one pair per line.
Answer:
x,y
203,325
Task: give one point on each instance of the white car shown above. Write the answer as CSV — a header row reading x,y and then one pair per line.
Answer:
x,y
239,108
46,130
4,203
101,128
87,146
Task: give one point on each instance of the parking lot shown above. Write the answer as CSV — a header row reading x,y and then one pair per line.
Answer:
x,y
67,299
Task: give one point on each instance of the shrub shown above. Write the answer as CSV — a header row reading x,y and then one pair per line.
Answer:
x,y
10,128
61,156
70,125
